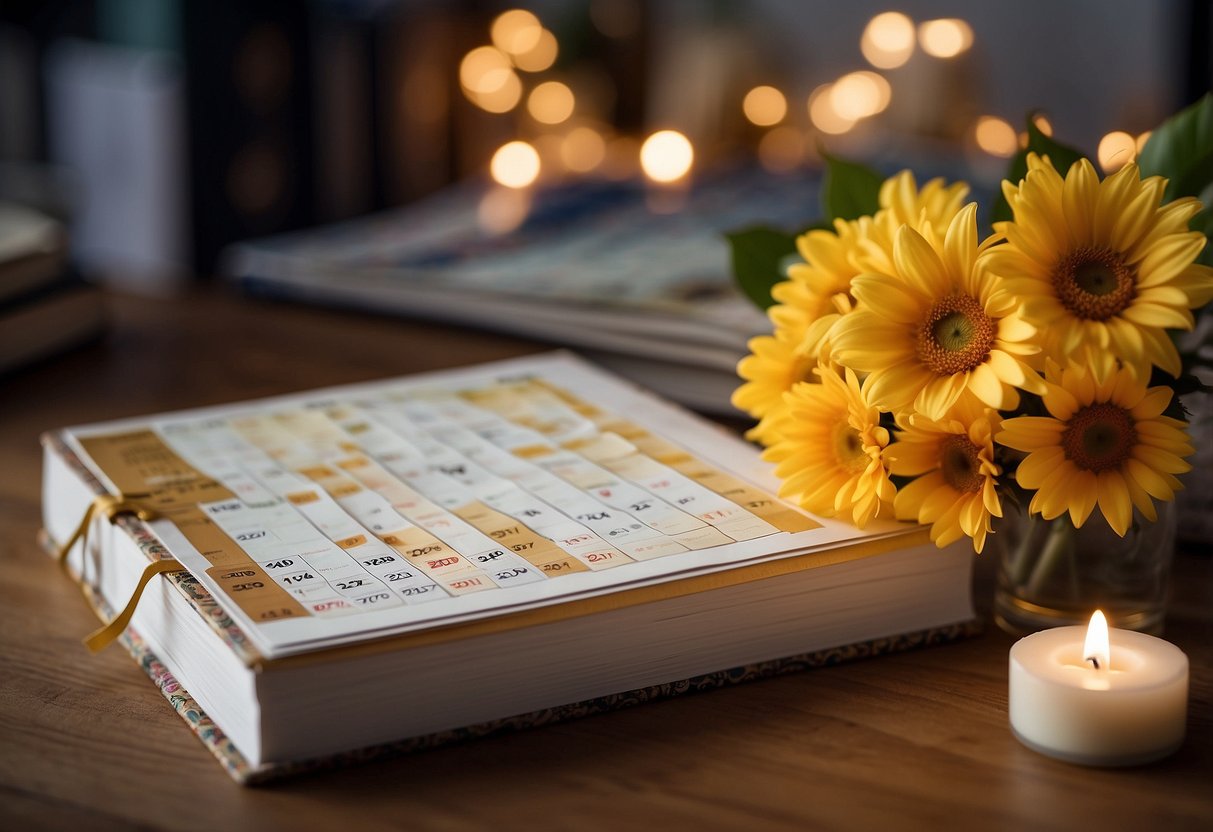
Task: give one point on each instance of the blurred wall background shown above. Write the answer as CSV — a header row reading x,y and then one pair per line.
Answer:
x,y
167,129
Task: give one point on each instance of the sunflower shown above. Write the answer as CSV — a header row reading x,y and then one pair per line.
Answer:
x,y
1103,268
808,303
940,328
1105,441
953,462
829,456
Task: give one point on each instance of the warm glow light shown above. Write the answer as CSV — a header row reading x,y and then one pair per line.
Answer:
x,y
501,100
781,149
823,115
859,95
666,156
515,165
1043,124
995,136
1116,150
501,210
1142,139
888,40
540,56
1097,649
764,106
582,150
550,103
945,38
516,31
484,70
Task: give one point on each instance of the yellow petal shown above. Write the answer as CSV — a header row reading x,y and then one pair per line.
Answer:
x,y
889,298
918,263
1153,314
1040,468
985,384
909,500
1081,504
960,243
1150,480
1114,501
1159,460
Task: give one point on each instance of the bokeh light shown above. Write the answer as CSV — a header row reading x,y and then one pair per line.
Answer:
x,y
1142,139
781,149
666,156
1116,150
515,165
540,56
583,149
888,40
764,106
823,115
859,95
551,102
1043,124
501,210
516,31
995,136
945,38
501,100
485,69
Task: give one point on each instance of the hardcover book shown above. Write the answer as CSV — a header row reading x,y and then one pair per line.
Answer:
x,y
330,576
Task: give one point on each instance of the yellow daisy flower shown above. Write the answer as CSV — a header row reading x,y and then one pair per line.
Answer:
x,y
953,462
807,304
829,456
775,364
937,329
927,210
1103,268
1105,441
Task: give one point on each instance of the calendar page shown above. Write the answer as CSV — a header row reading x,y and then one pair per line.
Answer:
x,y
358,512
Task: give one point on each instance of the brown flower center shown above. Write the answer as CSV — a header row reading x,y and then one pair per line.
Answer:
x,y
960,464
1094,283
848,447
956,336
1099,437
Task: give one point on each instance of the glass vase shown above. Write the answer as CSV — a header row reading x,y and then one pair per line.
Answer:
x,y
1051,574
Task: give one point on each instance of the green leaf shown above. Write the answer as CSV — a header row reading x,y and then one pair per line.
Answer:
x,y
1203,222
1062,157
850,190
757,255
1181,149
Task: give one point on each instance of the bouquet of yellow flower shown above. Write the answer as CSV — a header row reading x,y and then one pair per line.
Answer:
x,y
921,370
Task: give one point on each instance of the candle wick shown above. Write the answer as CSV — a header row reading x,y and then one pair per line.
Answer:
x,y
1094,660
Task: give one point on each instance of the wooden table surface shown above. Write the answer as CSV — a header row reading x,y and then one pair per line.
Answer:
x,y
917,740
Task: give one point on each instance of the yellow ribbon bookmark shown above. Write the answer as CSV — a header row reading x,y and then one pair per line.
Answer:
x,y
108,506
102,637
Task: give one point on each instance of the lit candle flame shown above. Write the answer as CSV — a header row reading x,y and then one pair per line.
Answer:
x,y
1096,649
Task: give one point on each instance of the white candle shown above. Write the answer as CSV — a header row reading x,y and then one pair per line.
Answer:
x,y
1120,703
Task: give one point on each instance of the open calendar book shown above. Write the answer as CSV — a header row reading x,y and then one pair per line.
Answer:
x,y
402,560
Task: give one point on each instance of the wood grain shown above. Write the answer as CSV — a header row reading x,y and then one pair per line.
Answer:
x,y
916,740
